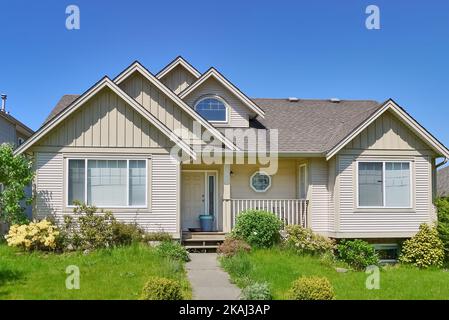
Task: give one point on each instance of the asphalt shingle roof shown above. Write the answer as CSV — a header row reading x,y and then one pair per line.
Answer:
x,y
305,125
443,182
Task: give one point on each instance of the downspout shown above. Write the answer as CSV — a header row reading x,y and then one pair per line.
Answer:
x,y
442,163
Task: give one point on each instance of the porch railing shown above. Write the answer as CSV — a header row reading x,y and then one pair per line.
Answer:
x,y
290,211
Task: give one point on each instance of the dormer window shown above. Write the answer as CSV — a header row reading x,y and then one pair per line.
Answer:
x,y
212,109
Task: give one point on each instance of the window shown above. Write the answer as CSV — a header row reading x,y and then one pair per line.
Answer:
x,y
211,194
20,141
384,184
260,181
303,181
107,183
212,109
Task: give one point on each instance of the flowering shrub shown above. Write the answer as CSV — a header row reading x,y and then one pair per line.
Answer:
x,y
231,246
36,235
425,249
305,241
257,227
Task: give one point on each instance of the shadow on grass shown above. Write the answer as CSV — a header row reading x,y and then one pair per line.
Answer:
x,y
6,276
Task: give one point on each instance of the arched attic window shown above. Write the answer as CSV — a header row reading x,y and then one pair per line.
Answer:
x,y
212,108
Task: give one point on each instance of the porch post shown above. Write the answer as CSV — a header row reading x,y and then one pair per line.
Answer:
x,y
227,198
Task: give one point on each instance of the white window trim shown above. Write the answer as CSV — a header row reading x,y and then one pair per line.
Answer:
x,y
218,98
383,184
251,181
144,206
306,182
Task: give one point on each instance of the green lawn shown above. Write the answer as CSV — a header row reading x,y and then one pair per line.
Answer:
x,y
118,273
279,268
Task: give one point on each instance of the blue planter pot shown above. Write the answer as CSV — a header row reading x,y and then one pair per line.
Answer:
x,y
206,222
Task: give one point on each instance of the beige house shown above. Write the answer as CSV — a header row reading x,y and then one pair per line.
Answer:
x,y
346,169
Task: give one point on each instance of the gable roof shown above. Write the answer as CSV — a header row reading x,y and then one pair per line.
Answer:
x,y
63,103
176,62
105,82
408,120
212,72
311,125
137,67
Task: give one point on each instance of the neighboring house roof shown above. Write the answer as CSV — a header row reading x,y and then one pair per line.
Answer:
x,y
212,72
22,128
443,182
176,62
105,83
63,103
311,126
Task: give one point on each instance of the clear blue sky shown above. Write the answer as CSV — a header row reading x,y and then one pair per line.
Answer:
x,y
309,49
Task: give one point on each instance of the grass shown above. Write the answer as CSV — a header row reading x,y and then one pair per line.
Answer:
x,y
279,268
118,273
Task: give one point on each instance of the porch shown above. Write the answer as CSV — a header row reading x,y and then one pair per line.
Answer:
x,y
224,191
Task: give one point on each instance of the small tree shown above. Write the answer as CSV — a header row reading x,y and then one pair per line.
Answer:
x,y
15,175
442,205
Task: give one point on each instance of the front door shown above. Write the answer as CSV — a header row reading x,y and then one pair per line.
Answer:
x,y
198,196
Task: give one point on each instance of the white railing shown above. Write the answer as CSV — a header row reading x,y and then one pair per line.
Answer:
x,y
290,211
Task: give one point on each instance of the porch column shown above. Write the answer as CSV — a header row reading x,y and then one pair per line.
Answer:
x,y
227,198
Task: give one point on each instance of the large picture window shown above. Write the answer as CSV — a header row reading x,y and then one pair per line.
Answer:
x,y
384,184
107,183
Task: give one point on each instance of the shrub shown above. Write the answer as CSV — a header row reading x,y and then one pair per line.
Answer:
x,y
303,240
88,229
158,236
357,253
16,173
258,228
311,288
35,235
256,291
425,249
173,250
125,234
158,288
442,205
231,246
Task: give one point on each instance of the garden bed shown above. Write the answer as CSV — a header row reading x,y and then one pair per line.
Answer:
x,y
118,273
279,268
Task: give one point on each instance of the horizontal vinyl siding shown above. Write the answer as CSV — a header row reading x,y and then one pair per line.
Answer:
x,y
320,197
353,221
238,113
164,192
49,185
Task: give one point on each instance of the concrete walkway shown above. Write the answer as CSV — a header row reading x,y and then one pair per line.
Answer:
x,y
208,280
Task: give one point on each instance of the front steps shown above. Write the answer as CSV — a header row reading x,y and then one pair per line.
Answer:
x,y
202,241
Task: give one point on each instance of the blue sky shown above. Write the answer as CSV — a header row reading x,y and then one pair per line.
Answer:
x,y
308,49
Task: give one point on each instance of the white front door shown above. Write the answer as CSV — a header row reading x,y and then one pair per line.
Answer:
x,y
198,196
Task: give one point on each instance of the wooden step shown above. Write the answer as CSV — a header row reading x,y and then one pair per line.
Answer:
x,y
203,236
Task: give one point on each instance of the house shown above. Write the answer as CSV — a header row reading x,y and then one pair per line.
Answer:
x,y
443,182
12,130
162,149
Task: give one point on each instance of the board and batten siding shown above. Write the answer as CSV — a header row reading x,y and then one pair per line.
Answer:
x,y
159,104
386,133
382,222
178,79
165,193
7,131
106,121
238,113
